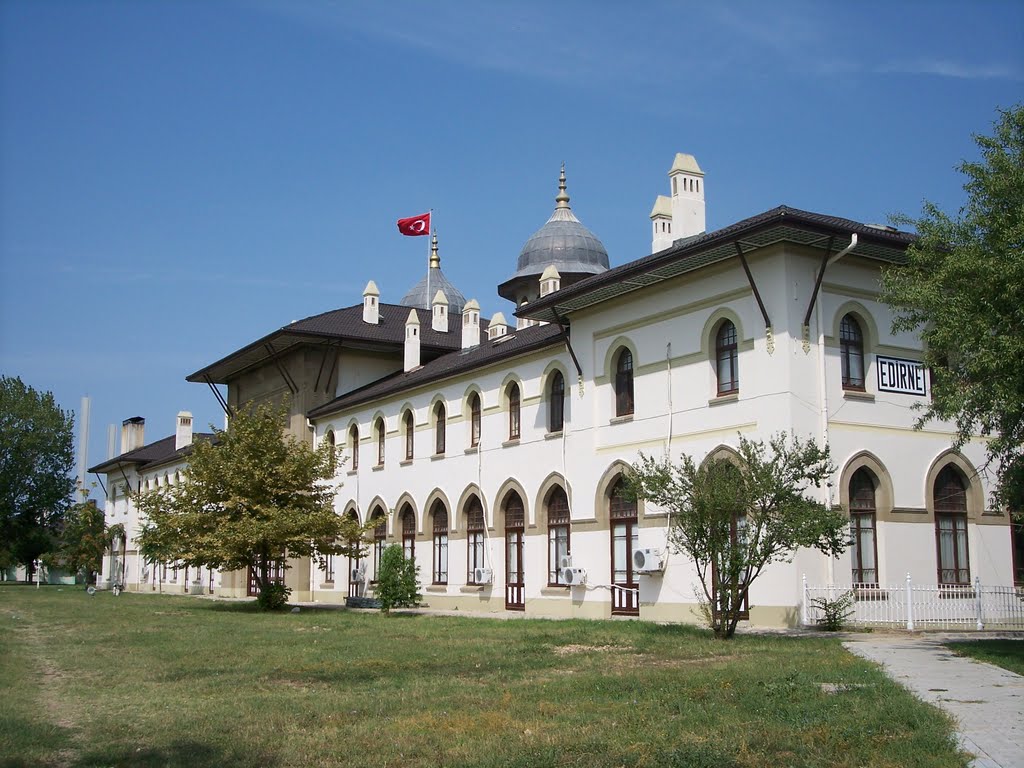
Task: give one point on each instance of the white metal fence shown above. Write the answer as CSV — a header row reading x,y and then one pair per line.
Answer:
x,y
918,606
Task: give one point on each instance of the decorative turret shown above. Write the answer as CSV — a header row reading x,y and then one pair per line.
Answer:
x,y
470,324
371,304
497,327
412,341
550,281
439,313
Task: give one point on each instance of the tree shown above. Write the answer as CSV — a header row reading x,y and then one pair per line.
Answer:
x,y
36,457
735,516
397,581
82,542
962,290
250,498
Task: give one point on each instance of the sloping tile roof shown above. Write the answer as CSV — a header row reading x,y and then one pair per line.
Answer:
x,y
511,345
151,455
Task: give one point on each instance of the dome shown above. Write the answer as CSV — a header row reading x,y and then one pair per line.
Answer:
x,y
564,242
422,295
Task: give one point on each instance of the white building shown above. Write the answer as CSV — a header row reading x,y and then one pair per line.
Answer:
x,y
493,453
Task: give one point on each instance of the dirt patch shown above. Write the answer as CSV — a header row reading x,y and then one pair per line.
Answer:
x,y
568,650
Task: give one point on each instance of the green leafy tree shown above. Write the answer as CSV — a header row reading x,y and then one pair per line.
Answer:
x,y
397,580
82,542
36,458
735,516
250,498
962,290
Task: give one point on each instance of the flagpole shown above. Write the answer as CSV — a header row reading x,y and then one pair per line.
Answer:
x,y
430,240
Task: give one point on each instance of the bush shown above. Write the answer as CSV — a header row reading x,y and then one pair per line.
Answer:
x,y
274,597
834,613
397,580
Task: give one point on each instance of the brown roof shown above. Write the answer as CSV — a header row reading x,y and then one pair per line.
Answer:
x,y
154,454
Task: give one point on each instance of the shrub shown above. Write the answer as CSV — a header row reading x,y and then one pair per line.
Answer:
x,y
834,613
273,597
397,580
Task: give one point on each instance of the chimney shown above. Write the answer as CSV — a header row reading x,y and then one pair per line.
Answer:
x,y
412,341
183,434
439,312
497,327
371,304
133,433
550,281
687,197
470,324
661,224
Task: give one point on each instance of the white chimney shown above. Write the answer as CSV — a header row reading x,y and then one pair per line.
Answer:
x,y
371,304
687,197
439,312
497,327
661,224
133,433
550,281
470,324
412,341
183,433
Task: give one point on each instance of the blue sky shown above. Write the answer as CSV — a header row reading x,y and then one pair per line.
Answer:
x,y
178,179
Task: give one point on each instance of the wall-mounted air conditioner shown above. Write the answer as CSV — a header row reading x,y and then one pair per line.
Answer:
x,y
565,561
648,560
574,576
483,575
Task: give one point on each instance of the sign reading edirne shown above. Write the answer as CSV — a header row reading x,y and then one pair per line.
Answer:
x,y
897,375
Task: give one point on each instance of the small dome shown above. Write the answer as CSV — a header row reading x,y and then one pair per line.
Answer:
x,y
422,295
563,242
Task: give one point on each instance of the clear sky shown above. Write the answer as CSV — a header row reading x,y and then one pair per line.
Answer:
x,y
178,179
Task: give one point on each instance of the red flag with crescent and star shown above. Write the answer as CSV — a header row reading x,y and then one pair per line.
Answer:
x,y
415,225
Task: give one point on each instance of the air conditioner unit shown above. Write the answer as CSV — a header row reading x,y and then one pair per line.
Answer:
x,y
565,561
574,576
359,573
482,575
648,560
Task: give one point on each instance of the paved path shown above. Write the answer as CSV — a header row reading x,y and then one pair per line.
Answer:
x,y
986,701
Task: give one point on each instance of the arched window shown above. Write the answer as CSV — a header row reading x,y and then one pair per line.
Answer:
x,y
334,453
556,403
381,434
515,528
410,434
514,428
354,585
439,516
726,359
851,353
951,527
439,428
558,534
622,515
863,549
624,383
474,420
380,535
353,445
475,555
408,519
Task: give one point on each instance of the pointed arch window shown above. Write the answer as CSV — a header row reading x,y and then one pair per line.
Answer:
x,y
475,554
380,535
950,495
623,517
334,452
515,528
474,420
353,446
381,434
863,549
439,517
556,403
409,427
558,534
514,426
851,353
439,428
624,383
727,359
408,532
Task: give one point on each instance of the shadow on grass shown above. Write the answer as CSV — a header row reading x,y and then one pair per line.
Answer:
x,y
186,754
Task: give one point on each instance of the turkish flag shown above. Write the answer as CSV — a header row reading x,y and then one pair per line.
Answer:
x,y
415,225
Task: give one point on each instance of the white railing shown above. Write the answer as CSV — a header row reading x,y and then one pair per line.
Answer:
x,y
918,606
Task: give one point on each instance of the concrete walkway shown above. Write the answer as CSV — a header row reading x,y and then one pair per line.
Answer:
x,y
987,702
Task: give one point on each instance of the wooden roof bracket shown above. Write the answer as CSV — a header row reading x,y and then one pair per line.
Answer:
x,y
769,335
568,345
333,348
288,380
827,259
216,393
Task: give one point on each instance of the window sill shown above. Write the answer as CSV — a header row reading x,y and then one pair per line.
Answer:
x,y
732,397
554,435
857,394
352,472
553,590
437,457
405,463
436,588
473,588
378,467
508,443
472,449
621,419
327,585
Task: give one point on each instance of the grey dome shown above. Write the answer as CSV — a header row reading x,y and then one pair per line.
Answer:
x,y
564,242
421,297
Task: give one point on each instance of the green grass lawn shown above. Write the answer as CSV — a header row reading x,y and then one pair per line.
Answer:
x,y
1008,654
144,680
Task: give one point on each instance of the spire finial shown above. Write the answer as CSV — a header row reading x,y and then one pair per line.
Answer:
x,y
435,260
563,197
